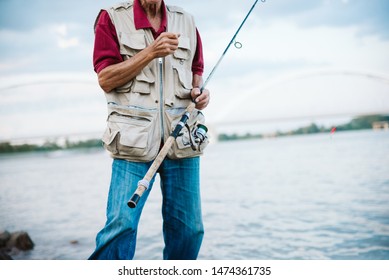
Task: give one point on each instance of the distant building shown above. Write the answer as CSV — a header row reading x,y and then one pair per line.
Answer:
x,y
384,125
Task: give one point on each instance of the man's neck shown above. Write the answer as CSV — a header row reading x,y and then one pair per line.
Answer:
x,y
152,10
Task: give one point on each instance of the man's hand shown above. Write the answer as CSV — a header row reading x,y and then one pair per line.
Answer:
x,y
165,44
121,73
200,98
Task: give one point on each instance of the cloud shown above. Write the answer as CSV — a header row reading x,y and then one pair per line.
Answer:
x,y
57,47
371,17
281,47
41,35
63,40
68,43
50,104
29,15
58,35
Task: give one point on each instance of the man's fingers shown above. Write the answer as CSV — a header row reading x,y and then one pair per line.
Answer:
x,y
202,100
169,35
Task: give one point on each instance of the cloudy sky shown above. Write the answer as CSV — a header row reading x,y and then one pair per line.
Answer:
x,y
311,60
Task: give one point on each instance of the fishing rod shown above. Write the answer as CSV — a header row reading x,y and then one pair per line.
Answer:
x,y
144,184
237,45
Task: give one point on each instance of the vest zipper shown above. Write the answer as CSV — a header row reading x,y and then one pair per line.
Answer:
x,y
160,61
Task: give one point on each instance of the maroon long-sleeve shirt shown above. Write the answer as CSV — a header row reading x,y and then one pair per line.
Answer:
x,y
106,49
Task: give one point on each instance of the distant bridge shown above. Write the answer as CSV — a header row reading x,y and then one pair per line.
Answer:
x,y
267,86
47,80
228,108
72,79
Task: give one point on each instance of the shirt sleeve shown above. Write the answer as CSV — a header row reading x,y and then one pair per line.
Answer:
x,y
106,47
198,59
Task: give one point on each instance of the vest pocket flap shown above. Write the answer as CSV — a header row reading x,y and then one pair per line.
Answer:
x,y
142,87
184,78
129,131
109,135
143,82
184,42
136,41
183,51
146,75
124,88
136,140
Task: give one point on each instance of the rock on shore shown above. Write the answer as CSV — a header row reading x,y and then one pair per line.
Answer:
x,y
19,240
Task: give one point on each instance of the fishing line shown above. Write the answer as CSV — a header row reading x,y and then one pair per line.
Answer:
x,y
237,45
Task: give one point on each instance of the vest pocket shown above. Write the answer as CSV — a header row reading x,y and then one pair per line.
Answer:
x,y
143,82
131,43
181,69
131,136
183,52
182,82
140,84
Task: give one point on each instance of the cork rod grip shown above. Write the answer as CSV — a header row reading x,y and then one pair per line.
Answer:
x,y
145,182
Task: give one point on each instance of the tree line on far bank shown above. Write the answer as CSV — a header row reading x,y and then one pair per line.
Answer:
x,y
358,123
365,122
48,146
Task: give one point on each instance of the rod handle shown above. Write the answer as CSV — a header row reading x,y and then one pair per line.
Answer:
x,y
142,187
133,201
145,182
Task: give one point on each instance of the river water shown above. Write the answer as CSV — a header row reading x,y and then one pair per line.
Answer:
x,y
316,196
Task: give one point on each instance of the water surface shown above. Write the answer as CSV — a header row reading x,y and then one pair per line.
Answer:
x,y
299,197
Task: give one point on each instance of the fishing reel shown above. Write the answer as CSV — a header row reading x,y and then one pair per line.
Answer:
x,y
197,136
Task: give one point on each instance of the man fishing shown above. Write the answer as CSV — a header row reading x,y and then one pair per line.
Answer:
x,y
149,61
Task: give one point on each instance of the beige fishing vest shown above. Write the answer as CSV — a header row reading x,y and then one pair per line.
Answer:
x,y
143,112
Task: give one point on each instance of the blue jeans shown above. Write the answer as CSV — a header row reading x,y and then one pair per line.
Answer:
x,y
181,210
